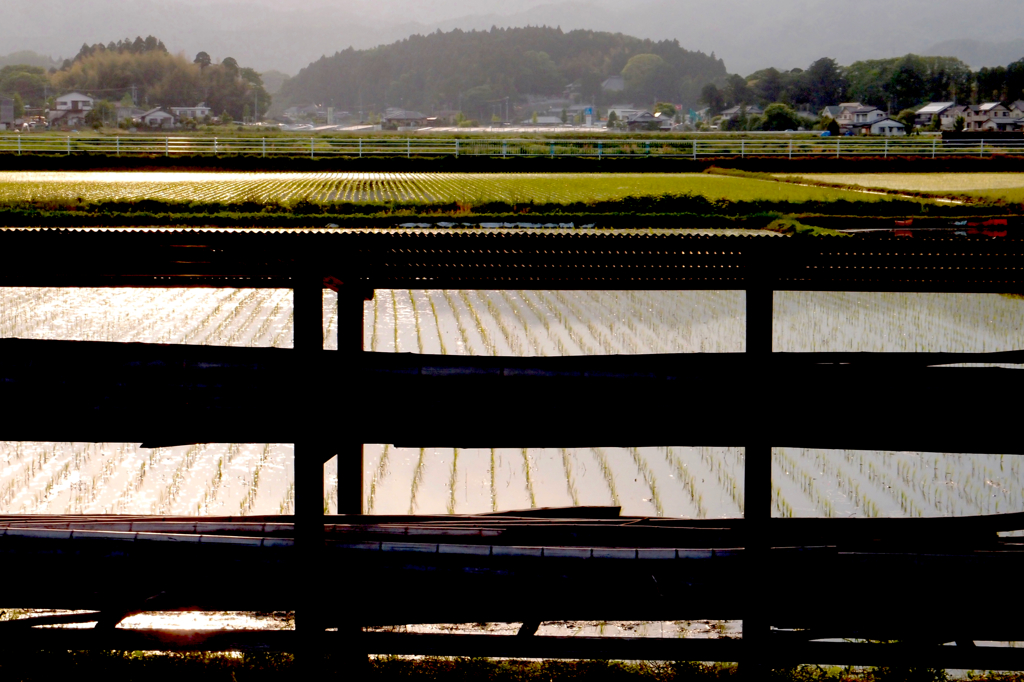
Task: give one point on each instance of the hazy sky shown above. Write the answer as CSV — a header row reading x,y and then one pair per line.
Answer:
x,y
747,34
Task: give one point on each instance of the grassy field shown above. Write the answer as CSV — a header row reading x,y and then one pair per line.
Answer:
x,y
1006,187
41,187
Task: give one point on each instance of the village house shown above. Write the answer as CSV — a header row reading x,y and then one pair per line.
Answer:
x,y
643,120
158,118
990,116
405,119
947,119
733,113
844,113
931,112
128,113
887,127
196,113
864,118
6,113
70,109
613,84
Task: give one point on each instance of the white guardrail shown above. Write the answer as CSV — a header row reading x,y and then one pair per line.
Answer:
x,y
315,147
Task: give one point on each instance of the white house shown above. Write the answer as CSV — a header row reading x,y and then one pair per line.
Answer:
x,y
70,109
158,118
74,101
888,127
866,116
196,113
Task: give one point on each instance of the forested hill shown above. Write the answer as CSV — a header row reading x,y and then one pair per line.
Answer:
x,y
470,70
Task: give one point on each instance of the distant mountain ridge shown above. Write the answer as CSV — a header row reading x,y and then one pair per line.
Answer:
x,y
747,34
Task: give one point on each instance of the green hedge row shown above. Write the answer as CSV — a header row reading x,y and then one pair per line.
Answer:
x,y
675,203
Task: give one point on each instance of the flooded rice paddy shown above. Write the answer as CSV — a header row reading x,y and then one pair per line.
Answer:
x,y
674,480
56,188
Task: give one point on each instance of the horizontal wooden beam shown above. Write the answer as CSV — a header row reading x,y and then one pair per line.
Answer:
x,y
165,395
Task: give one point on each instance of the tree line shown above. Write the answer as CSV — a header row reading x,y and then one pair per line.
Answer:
x,y
143,73
893,84
477,71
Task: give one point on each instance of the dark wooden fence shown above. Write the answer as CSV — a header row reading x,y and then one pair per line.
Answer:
x,y
324,419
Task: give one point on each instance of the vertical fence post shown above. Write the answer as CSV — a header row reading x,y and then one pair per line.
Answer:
x,y
837,147
350,342
19,145
934,143
695,149
456,147
552,150
743,148
311,452
69,145
312,154
118,138
167,146
264,147
791,149
408,148
504,148
757,459
599,149
886,154
981,149
360,147
647,147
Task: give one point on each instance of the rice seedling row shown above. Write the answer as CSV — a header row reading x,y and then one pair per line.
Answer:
x,y
68,187
703,482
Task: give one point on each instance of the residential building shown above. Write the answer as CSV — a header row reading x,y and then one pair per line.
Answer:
x,y
158,118
831,111
735,112
844,116
74,101
948,117
196,113
405,119
6,113
70,109
865,116
624,112
613,84
644,120
887,127
133,113
990,116
931,112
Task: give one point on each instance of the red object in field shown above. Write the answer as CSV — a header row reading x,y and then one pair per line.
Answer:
x,y
904,223
904,233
